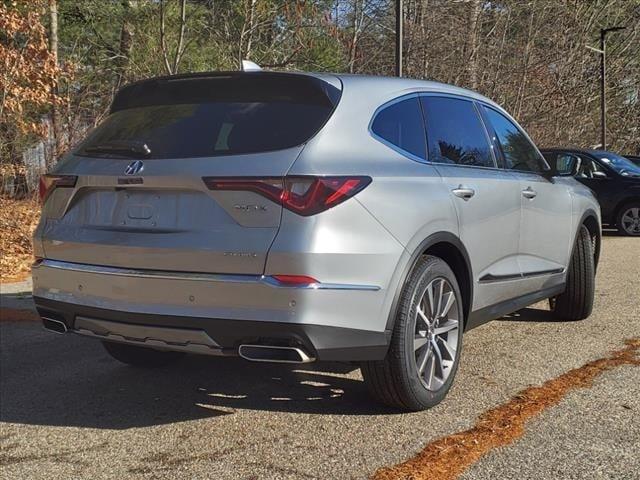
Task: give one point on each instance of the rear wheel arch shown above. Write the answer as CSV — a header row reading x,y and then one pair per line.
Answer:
x,y
452,251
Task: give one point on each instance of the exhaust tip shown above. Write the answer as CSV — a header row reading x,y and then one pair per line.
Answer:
x,y
56,326
269,353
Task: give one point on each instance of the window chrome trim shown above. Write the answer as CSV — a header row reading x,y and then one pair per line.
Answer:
x,y
196,276
512,120
392,146
418,94
483,127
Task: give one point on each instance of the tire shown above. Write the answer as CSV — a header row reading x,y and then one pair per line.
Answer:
x,y
141,356
576,302
396,381
628,219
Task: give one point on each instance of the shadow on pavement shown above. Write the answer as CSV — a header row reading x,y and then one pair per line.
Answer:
x,y
46,379
529,315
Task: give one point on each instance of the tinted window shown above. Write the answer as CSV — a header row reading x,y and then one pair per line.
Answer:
x,y
588,168
565,163
401,124
622,165
202,117
518,152
455,133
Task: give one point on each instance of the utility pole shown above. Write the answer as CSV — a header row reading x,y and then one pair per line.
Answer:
x,y
603,83
399,35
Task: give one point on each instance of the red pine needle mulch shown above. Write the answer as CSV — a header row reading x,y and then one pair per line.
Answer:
x,y
448,457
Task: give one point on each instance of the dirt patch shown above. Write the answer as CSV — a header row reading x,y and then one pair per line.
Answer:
x,y
448,457
16,315
18,219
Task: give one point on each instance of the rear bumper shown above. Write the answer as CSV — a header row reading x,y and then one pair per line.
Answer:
x,y
332,321
220,336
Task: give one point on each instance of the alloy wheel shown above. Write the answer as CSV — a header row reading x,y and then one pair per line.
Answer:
x,y
436,333
631,221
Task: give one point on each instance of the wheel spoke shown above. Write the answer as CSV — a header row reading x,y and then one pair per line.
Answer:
x,y
429,299
446,327
437,355
421,363
449,300
419,342
447,350
429,371
422,317
439,295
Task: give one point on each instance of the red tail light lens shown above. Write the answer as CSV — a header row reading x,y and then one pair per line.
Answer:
x,y
303,195
48,183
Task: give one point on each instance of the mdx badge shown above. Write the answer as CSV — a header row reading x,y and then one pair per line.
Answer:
x,y
250,208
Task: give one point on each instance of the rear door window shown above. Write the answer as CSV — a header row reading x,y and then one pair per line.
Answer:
x,y
201,117
517,150
401,124
455,133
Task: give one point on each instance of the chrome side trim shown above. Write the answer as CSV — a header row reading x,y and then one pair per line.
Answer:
x,y
196,276
489,278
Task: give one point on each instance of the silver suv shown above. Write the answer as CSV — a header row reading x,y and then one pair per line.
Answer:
x,y
300,217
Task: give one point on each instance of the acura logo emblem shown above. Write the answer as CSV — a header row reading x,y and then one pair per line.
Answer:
x,y
134,168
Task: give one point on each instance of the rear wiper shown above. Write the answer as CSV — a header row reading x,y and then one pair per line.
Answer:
x,y
133,149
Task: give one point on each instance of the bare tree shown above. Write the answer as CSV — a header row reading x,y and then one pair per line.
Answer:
x,y
53,48
172,66
126,42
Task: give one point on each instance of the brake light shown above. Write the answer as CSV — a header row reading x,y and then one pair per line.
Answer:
x,y
303,195
48,183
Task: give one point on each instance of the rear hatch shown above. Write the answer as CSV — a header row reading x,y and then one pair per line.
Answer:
x,y
133,194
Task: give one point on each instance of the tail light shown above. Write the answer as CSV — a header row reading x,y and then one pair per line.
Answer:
x,y
303,195
48,183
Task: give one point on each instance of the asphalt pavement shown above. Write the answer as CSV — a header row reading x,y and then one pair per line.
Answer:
x,y
67,410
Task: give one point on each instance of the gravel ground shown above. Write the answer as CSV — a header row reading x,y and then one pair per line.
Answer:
x,y
69,411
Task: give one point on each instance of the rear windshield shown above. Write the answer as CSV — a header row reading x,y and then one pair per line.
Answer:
x,y
213,116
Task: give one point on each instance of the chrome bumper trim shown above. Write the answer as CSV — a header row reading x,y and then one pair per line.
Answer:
x,y
195,276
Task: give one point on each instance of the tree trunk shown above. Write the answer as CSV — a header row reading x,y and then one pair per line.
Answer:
x,y
126,43
53,47
474,14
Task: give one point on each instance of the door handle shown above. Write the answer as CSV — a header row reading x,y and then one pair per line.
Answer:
x,y
529,193
464,193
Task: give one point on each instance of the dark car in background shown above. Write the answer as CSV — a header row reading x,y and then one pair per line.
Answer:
x,y
614,179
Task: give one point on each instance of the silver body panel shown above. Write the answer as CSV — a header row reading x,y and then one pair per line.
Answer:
x,y
172,247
